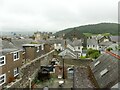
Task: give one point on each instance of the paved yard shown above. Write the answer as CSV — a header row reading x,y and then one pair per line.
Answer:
x,y
55,84
81,79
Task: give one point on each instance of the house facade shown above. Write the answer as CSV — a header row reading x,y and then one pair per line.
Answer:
x,y
10,63
98,42
92,43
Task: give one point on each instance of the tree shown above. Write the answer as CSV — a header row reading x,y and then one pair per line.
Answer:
x,y
109,49
92,53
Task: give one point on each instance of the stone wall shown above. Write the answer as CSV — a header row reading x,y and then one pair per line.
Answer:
x,y
30,70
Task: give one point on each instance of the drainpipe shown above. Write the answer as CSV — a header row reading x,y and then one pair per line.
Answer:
x,y
30,80
73,77
25,55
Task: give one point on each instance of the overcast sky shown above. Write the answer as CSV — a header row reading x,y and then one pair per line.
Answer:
x,y
54,15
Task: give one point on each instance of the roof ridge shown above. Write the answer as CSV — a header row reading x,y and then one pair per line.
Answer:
x,y
113,54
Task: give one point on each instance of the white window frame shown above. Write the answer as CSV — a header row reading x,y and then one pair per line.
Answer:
x,y
2,79
42,46
59,44
103,72
16,72
38,49
2,60
15,53
98,62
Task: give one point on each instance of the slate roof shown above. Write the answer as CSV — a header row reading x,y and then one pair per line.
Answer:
x,y
115,38
68,53
107,43
77,43
98,37
81,78
8,50
58,41
62,42
92,41
7,47
110,63
6,44
19,42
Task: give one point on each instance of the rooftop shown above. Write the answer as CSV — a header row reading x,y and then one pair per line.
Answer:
x,y
8,50
81,79
105,70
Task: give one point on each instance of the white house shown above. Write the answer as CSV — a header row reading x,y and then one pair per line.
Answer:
x,y
92,43
58,46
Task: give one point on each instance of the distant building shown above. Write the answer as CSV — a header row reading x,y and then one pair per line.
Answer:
x,y
73,49
115,39
98,42
92,43
42,35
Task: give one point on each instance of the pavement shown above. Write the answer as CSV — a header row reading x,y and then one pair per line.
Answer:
x,y
55,84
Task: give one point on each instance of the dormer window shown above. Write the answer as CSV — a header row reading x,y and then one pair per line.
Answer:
x,y
16,56
2,60
96,63
103,72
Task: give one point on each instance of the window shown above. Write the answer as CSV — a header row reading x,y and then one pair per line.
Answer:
x,y
2,79
96,63
16,72
42,47
78,47
38,49
2,60
93,45
16,56
88,45
59,44
103,72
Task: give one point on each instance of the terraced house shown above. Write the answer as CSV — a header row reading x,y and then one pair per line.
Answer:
x,y
10,63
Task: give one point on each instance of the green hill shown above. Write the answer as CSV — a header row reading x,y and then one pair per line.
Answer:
x,y
100,28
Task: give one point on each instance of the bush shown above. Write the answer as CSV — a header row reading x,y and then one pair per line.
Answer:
x,y
82,57
93,53
109,49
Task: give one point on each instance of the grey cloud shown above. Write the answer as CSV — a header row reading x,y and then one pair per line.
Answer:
x,y
56,14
